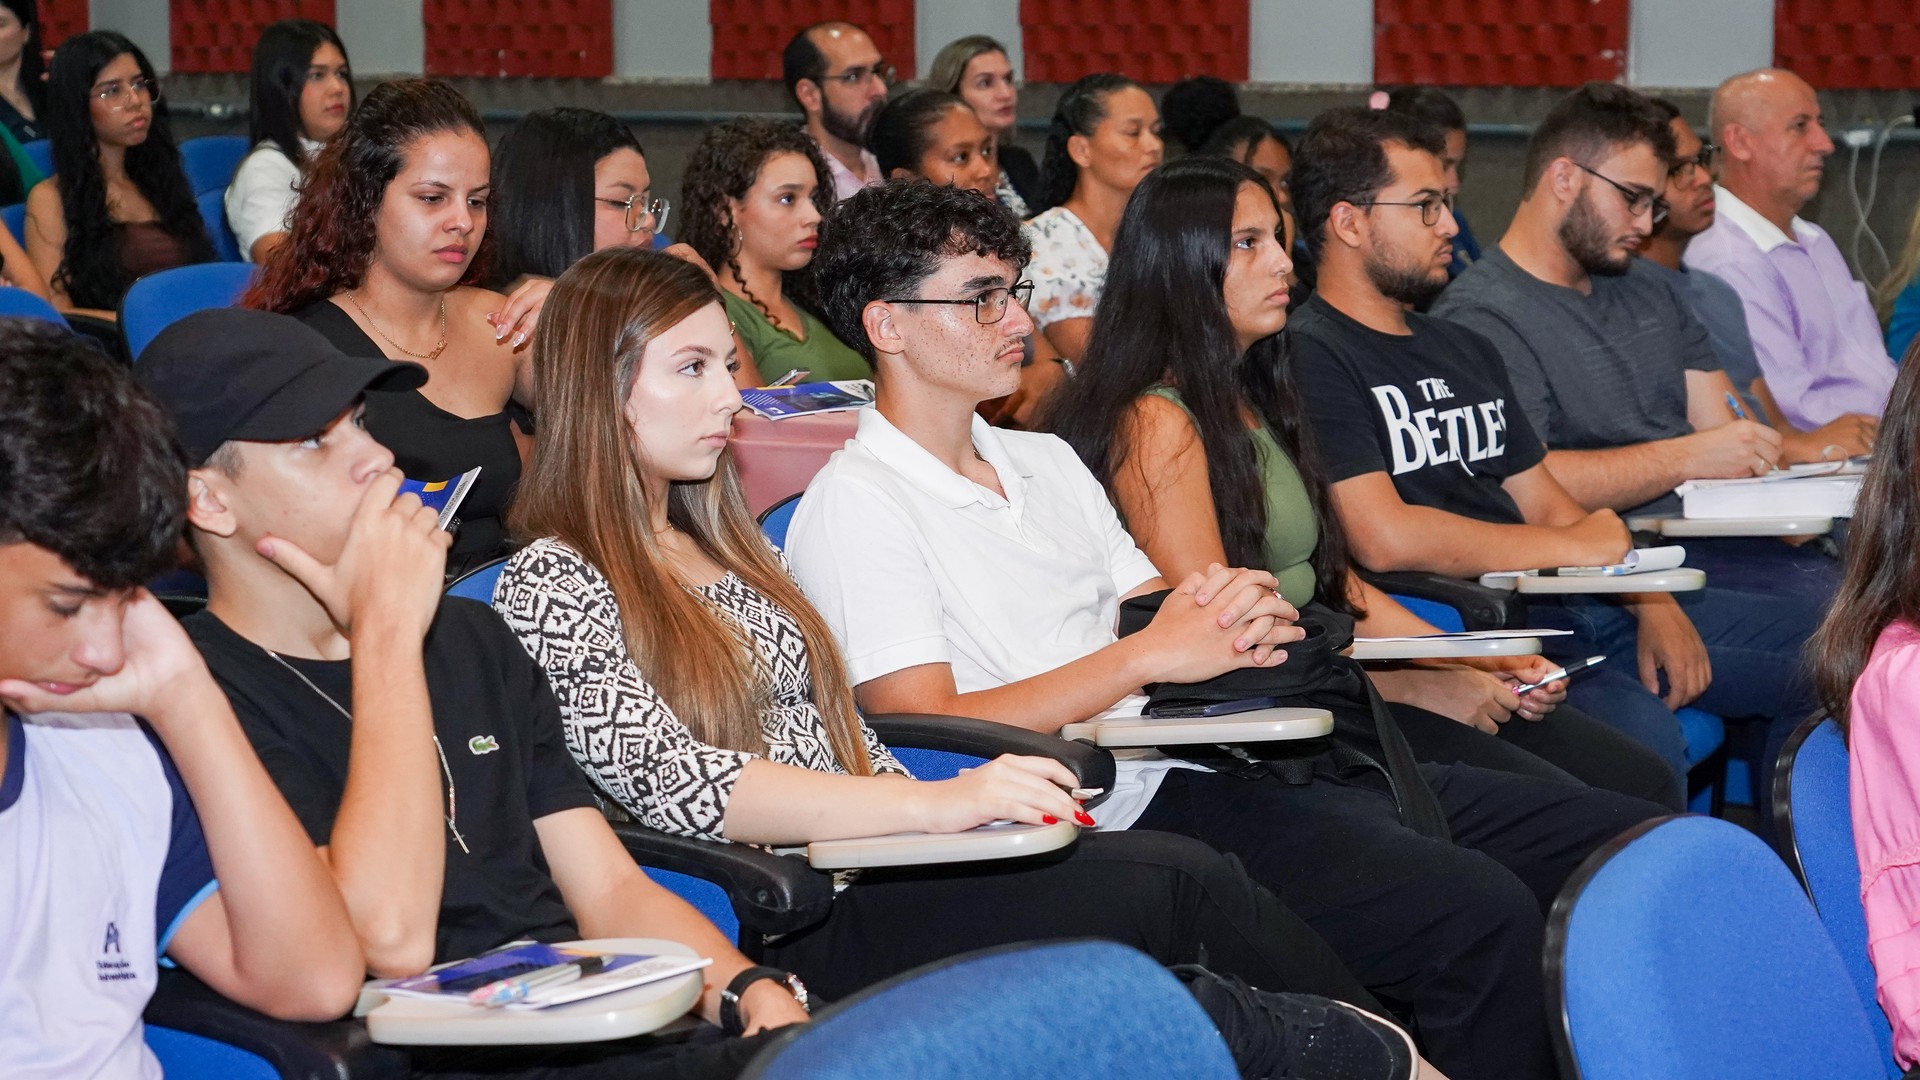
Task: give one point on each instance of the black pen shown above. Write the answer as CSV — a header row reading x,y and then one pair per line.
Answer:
x,y
1559,674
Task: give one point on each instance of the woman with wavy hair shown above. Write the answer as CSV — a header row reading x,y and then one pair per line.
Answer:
x,y
118,207
382,253
701,691
755,194
300,94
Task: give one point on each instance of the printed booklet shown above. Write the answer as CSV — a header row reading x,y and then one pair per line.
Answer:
x,y
454,982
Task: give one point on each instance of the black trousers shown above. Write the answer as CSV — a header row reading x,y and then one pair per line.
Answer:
x,y
1565,745
1449,933
1171,897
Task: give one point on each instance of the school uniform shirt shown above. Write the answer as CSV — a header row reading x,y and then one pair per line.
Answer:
x,y
498,727
911,563
101,860
260,197
1433,409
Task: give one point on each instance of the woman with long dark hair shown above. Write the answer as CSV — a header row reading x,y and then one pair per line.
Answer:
x,y
382,253
755,194
977,69
1189,414
118,207
1105,138
23,93
301,90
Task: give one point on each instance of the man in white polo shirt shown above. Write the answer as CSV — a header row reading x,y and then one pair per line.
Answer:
x,y
111,731
972,571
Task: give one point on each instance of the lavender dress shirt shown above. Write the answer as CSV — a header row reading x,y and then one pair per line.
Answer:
x,y
1813,327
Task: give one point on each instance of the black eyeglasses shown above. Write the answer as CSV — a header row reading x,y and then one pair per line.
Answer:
x,y
1430,207
990,306
1703,160
856,76
1639,200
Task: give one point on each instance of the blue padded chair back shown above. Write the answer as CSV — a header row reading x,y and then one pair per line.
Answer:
x,y
19,303
196,1057
775,520
160,299
998,1013
934,764
210,161
1813,825
40,152
1685,949
1443,617
213,211
706,897
478,583
15,219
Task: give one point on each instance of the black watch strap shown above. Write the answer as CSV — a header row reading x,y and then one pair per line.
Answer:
x,y
730,1020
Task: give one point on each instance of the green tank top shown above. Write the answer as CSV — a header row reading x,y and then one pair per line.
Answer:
x,y
1292,533
777,352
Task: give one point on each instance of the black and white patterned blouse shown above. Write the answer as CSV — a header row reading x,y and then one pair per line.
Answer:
x,y
620,730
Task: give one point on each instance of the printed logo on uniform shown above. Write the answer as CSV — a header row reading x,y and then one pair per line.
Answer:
x,y
483,744
112,965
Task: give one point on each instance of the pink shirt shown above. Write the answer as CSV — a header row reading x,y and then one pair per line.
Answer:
x,y
1884,751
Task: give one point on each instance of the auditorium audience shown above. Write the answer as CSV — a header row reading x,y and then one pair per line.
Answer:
x,y
754,195
1690,212
1195,427
1436,107
971,571
1813,325
1435,466
837,76
135,822
1104,139
23,96
119,206
299,94
384,247
976,67
1866,659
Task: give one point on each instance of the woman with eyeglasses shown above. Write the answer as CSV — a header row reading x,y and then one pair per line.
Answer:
x,y
382,256
119,206
976,68
755,195
1104,140
301,92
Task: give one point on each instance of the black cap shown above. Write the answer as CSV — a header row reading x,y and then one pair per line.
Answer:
x,y
231,373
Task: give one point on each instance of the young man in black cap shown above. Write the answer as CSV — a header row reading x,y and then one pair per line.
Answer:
x,y
415,739
111,731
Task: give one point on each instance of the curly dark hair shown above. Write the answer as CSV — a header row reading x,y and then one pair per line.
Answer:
x,y
888,238
90,467
1193,109
1081,108
90,270
724,166
332,233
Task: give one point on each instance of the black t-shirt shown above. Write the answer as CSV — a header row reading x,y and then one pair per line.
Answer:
x,y
1434,410
499,726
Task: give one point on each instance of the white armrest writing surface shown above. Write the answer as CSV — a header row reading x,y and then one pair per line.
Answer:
x,y
999,841
1685,579
1684,527
1365,649
1260,725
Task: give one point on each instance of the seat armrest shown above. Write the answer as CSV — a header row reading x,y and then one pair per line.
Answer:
x,y
1480,608
339,1050
772,894
1092,767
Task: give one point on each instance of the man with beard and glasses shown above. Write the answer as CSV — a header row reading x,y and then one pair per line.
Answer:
x,y
835,74
1691,212
1813,326
1435,466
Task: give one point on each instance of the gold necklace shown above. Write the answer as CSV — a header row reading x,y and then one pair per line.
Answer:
x,y
453,802
437,349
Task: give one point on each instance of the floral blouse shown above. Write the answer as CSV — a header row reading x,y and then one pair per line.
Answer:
x,y
1068,269
620,730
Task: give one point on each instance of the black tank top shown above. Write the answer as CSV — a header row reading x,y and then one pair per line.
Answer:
x,y
430,443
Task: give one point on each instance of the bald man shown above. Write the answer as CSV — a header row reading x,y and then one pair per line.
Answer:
x,y
1813,326
838,78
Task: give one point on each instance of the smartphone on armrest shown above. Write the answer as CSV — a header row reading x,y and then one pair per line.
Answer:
x,y
1218,708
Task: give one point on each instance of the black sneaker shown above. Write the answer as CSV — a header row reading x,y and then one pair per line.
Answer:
x,y
1298,1036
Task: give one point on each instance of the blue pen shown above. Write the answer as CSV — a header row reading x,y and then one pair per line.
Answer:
x,y
1734,404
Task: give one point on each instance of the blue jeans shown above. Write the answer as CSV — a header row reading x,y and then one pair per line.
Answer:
x,y
1769,567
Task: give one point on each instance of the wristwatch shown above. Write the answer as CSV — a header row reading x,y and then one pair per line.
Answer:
x,y
730,1019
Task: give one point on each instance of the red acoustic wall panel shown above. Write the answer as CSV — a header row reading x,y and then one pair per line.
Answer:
x,y
749,35
61,19
219,35
551,38
1499,42
1152,41
1849,44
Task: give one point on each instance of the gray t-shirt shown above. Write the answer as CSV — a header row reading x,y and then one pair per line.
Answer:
x,y
1717,306
1591,370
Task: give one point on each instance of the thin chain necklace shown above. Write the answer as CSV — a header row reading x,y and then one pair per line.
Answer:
x,y
453,803
437,349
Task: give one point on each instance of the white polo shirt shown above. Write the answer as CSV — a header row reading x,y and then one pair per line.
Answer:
x,y
912,563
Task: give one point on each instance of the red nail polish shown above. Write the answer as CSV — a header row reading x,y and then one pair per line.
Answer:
x,y
1083,818
1049,819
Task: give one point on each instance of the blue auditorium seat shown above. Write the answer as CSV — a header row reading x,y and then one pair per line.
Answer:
x,y
213,211
210,161
19,303
164,297
40,152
